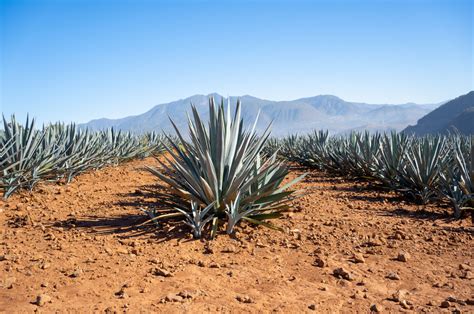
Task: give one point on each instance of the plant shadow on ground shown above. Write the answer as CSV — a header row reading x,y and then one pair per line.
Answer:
x,y
156,197
362,190
133,225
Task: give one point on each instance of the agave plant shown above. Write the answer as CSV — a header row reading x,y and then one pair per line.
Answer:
x,y
222,162
25,159
365,153
312,149
391,158
458,179
425,160
84,150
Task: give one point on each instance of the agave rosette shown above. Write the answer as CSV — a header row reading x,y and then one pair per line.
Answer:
x,y
223,163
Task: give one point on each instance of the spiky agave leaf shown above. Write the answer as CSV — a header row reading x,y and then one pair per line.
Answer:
x,y
198,218
235,212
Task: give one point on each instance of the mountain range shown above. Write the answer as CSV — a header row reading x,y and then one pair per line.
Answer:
x,y
287,117
456,115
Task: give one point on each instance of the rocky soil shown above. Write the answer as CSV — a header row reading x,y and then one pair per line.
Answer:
x,y
347,247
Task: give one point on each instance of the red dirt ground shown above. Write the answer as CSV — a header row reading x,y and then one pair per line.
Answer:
x,y
78,248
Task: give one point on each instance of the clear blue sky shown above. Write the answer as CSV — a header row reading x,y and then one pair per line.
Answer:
x,y
78,60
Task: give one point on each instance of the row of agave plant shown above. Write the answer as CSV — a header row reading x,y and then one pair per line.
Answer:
x,y
426,169
62,151
219,175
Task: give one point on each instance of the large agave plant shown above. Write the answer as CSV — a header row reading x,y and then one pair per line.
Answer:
x,y
221,164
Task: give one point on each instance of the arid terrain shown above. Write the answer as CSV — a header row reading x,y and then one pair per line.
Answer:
x,y
346,247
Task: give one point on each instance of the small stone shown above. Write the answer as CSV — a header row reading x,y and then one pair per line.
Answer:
x,y
76,273
44,285
320,262
173,298
312,307
186,294
201,263
358,258
214,265
244,299
393,276
122,250
208,248
467,275
121,294
8,257
464,267
404,304
376,241
403,257
230,249
375,308
342,273
445,304
398,296
161,272
260,244
469,301
42,299
8,283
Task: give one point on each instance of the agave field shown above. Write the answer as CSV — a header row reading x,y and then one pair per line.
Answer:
x,y
221,173
60,152
350,241
424,169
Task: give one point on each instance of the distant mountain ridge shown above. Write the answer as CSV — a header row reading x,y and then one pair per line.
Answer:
x,y
295,116
456,115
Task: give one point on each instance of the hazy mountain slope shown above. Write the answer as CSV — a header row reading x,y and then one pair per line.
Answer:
x,y
296,116
463,123
456,113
